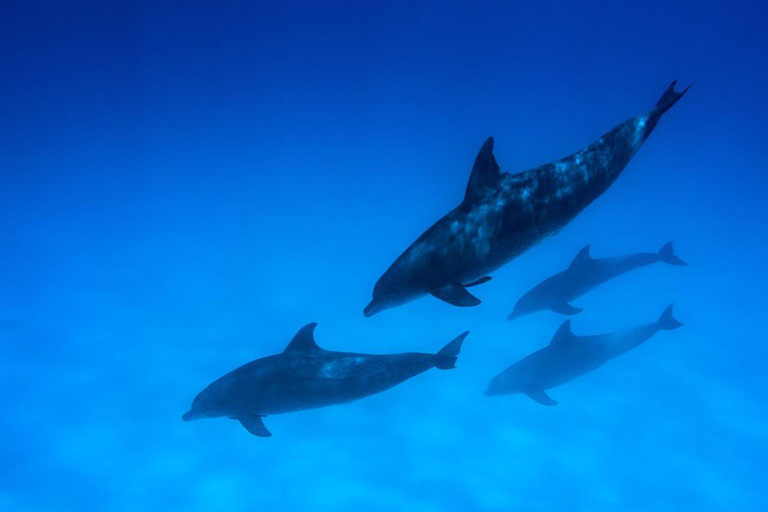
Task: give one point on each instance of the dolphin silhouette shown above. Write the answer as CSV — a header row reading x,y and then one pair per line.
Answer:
x,y
305,376
584,274
502,215
568,357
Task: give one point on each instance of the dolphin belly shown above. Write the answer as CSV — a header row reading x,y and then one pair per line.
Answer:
x,y
315,382
563,370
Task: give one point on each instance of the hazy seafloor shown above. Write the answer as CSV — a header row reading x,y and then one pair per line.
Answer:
x,y
183,186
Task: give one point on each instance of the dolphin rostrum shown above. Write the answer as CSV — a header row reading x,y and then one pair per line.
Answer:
x,y
569,356
305,376
584,274
502,215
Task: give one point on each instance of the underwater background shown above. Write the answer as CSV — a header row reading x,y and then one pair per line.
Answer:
x,y
183,185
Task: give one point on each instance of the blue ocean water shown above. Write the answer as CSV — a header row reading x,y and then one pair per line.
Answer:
x,y
183,185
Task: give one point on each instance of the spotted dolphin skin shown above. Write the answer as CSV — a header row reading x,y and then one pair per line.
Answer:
x,y
569,356
502,215
584,274
304,376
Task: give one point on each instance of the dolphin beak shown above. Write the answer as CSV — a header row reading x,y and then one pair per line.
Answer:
x,y
189,415
371,309
514,314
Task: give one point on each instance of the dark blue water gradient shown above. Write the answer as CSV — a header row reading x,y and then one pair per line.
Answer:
x,y
184,185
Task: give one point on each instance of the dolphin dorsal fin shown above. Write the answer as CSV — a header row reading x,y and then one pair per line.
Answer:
x,y
582,256
485,173
563,334
304,340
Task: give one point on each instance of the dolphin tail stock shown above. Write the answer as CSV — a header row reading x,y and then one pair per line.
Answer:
x,y
667,255
445,359
666,321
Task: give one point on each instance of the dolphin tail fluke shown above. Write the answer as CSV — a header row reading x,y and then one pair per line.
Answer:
x,y
446,358
667,255
668,99
666,321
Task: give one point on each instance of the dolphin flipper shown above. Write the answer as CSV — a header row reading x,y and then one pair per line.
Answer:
x,y
478,281
538,395
456,295
566,309
254,425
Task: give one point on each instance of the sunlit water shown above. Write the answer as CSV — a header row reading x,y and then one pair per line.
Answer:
x,y
183,187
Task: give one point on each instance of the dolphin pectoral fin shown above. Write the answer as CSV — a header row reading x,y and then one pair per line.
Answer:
x,y
538,395
478,281
456,295
566,309
254,425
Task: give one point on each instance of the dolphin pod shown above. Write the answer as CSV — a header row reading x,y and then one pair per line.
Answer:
x,y
569,356
584,274
501,216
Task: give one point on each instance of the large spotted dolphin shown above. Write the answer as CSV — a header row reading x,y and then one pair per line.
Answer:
x,y
305,376
502,215
584,274
569,356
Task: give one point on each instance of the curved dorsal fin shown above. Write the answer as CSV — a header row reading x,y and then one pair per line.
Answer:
x,y
485,173
582,256
563,334
304,340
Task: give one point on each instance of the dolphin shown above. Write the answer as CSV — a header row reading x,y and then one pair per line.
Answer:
x,y
305,376
569,356
584,274
502,215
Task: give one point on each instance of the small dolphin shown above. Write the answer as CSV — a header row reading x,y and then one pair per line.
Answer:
x,y
502,215
305,376
569,356
585,274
